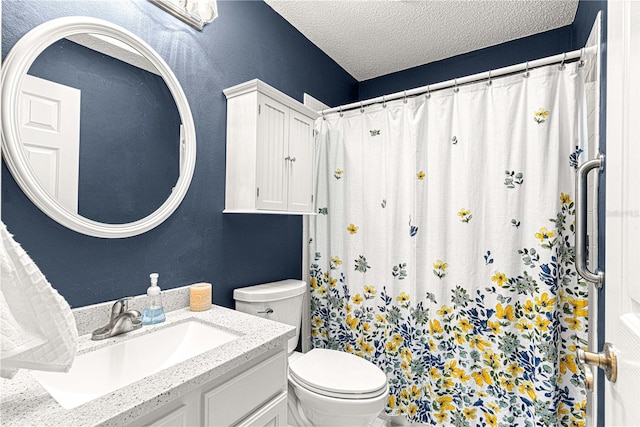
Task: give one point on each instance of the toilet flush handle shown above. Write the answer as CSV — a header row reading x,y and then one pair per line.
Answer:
x,y
269,310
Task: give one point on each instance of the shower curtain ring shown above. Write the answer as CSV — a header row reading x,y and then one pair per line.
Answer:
x,y
582,60
384,102
455,86
428,95
526,72
361,107
341,113
489,82
323,116
404,98
564,56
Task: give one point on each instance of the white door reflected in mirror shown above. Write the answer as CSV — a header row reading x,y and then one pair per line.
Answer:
x,y
50,130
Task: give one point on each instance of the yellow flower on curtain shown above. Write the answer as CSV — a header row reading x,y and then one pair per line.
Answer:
x,y
352,229
439,268
405,353
465,215
445,403
421,175
579,307
499,278
546,303
435,326
542,323
505,313
527,387
444,311
573,323
402,298
543,234
514,369
390,346
492,419
565,199
397,339
482,376
434,373
494,327
440,417
391,402
479,343
367,348
540,116
357,299
568,362
524,325
507,383
528,307
465,325
352,322
470,413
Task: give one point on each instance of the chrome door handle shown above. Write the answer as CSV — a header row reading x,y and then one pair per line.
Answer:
x,y
596,277
606,360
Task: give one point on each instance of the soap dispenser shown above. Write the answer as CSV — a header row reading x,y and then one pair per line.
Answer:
x,y
153,312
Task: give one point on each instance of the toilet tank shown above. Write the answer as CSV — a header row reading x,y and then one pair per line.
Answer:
x,y
280,301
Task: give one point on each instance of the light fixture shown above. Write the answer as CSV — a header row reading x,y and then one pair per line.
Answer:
x,y
196,13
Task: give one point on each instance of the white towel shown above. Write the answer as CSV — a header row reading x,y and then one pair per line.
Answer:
x,y
38,330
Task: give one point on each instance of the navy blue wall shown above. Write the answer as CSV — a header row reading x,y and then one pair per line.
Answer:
x,y
197,243
127,118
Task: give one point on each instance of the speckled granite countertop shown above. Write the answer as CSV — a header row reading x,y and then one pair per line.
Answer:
x,y
25,402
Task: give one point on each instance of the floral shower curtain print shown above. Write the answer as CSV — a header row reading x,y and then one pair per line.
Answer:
x,y
443,249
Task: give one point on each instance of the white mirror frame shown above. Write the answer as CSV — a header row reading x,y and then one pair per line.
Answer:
x,y
15,67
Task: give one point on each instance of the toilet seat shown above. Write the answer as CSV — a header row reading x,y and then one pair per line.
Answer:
x,y
338,374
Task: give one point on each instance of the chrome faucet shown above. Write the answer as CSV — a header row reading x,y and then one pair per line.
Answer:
x,y
122,320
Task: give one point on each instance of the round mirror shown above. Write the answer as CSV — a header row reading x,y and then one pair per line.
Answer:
x,y
96,128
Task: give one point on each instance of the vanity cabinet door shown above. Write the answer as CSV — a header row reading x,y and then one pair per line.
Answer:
x,y
273,414
241,397
176,418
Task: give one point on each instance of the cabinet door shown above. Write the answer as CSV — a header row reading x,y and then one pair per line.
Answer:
x,y
273,140
273,414
300,171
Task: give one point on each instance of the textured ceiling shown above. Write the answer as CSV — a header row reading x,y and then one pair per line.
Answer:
x,y
372,38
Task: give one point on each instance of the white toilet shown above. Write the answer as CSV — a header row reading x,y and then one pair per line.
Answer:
x,y
326,387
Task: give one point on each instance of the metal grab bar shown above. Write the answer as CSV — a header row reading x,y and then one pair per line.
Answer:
x,y
581,221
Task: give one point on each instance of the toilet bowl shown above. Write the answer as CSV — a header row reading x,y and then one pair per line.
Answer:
x,y
326,387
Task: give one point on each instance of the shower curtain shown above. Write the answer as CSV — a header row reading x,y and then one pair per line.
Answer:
x,y
443,249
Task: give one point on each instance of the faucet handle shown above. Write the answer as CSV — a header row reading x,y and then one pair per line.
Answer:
x,y
119,307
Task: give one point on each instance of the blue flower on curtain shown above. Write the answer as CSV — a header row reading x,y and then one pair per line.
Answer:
x,y
573,157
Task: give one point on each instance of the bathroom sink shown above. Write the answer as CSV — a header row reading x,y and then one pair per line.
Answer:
x,y
102,371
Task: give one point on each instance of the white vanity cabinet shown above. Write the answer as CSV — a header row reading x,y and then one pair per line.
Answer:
x,y
270,151
254,394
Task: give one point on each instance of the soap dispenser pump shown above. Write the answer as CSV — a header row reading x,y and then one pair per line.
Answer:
x,y
154,311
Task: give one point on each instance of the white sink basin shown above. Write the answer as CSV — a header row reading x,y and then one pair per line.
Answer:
x,y
102,371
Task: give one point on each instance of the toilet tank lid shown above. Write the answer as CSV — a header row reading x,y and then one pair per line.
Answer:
x,y
270,291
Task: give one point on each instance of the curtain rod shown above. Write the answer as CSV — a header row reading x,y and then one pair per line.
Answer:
x,y
487,75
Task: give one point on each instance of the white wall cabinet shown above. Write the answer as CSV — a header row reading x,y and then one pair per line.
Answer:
x,y
270,151
254,394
